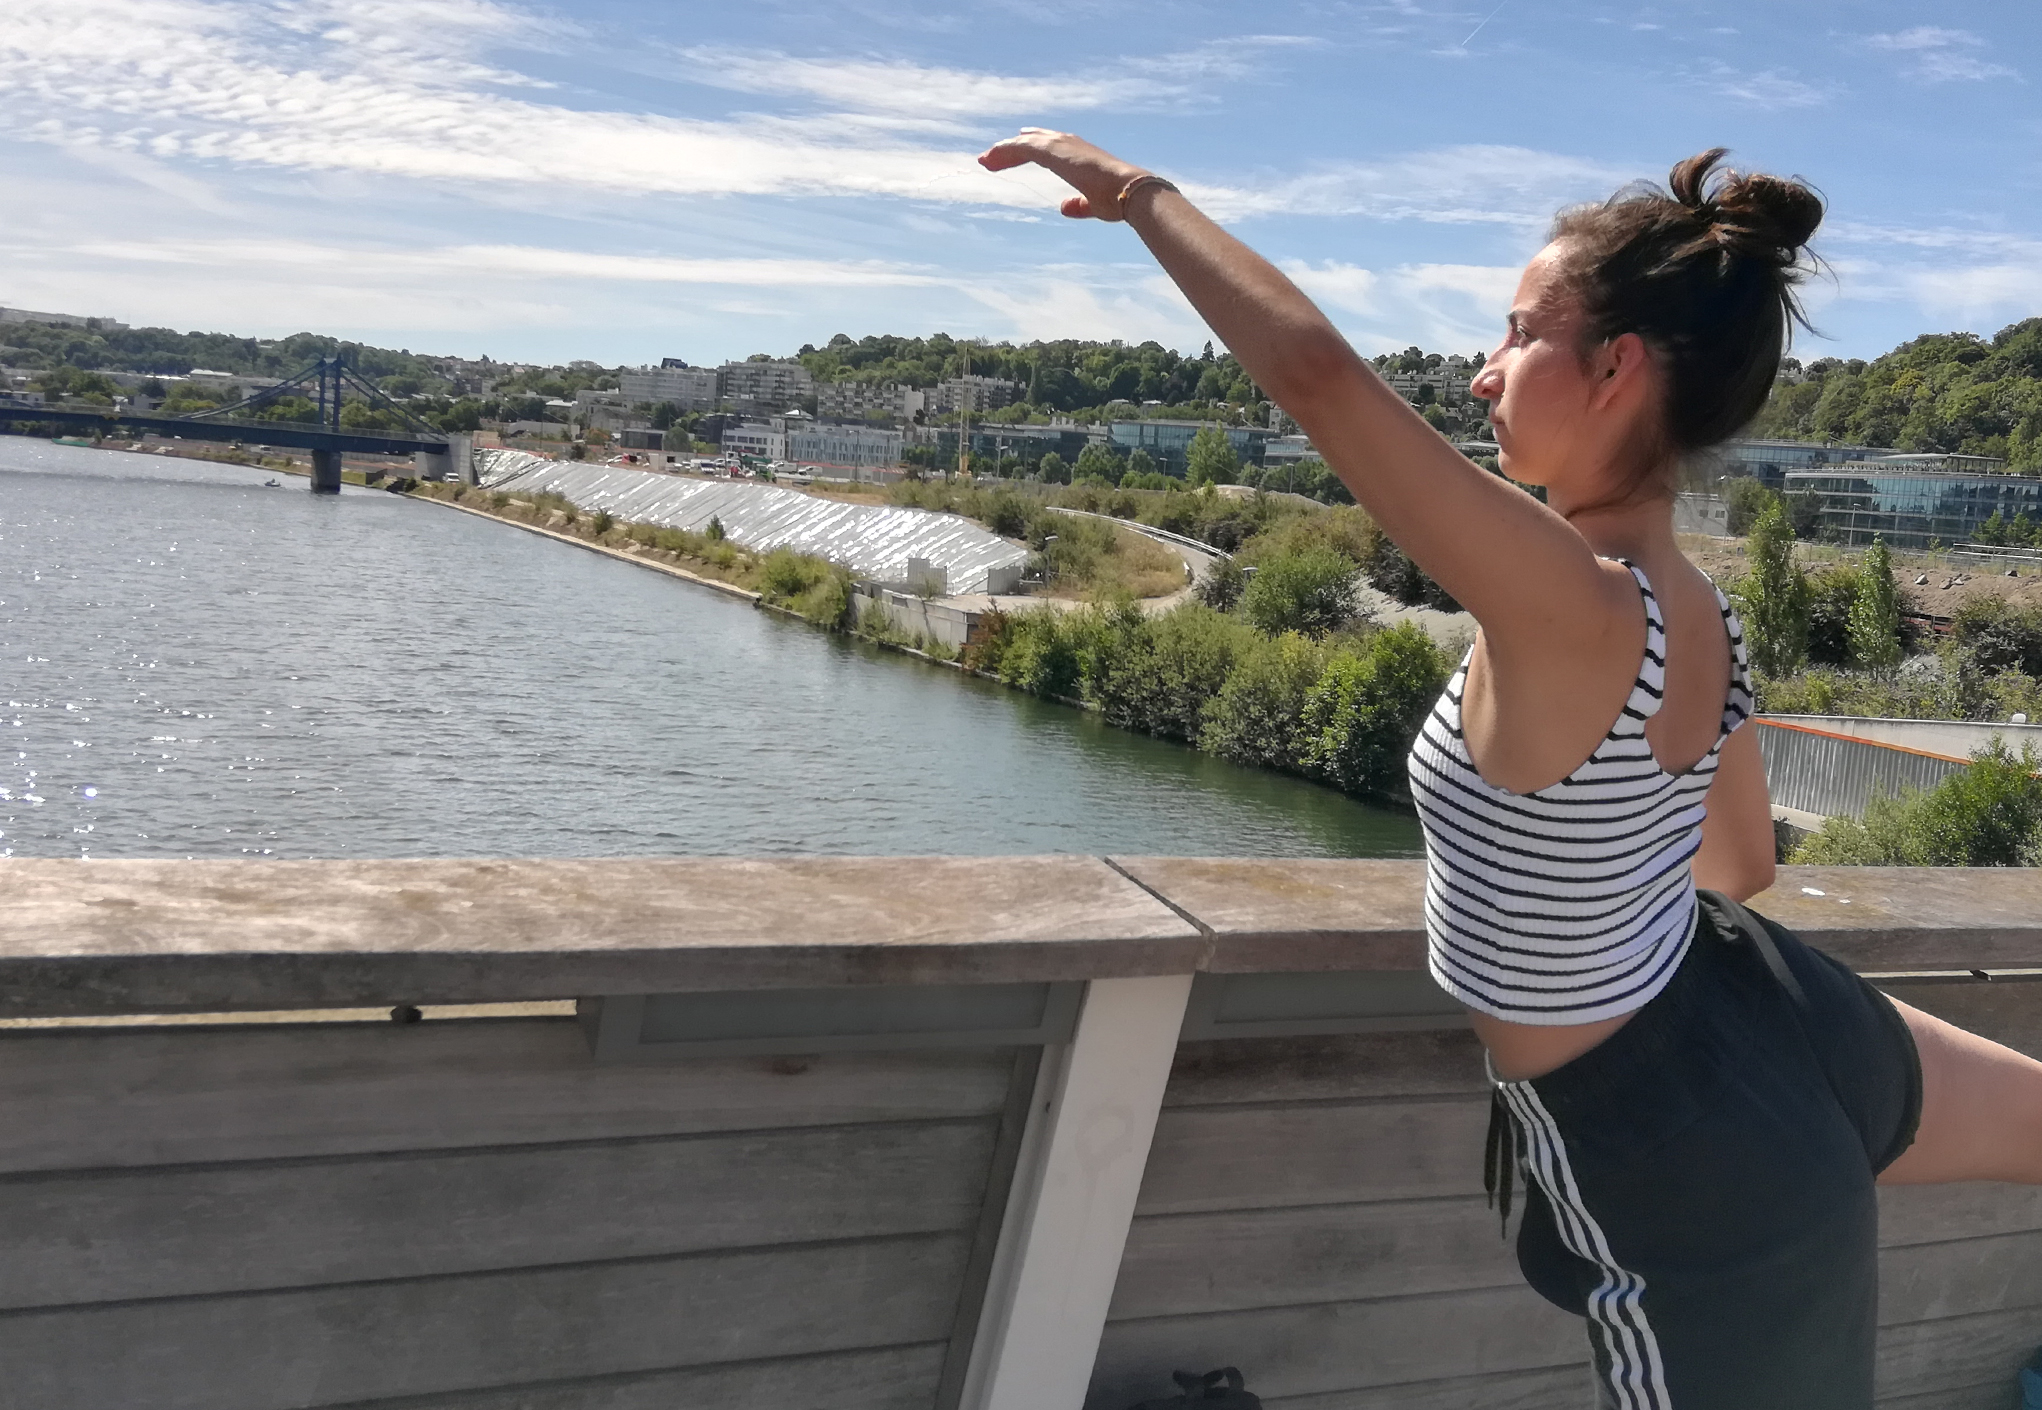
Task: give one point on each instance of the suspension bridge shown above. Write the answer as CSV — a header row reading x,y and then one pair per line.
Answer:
x,y
326,384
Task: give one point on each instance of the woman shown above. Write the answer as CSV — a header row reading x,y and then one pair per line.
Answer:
x,y
1703,1103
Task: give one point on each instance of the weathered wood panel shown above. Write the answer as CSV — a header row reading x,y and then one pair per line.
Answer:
x,y
1342,1067
894,1378
1308,1350
1989,1395
1920,1214
366,1341
2007,1011
105,1236
1925,1282
1567,1389
1259,1157
1189,1264
158,1097
1940,1358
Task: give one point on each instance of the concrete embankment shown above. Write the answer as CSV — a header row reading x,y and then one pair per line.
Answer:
x,y
873,541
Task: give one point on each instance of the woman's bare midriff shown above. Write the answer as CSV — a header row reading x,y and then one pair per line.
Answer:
x,y
1518,1051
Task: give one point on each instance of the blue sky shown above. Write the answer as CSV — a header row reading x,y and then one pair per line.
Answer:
x,y
622,180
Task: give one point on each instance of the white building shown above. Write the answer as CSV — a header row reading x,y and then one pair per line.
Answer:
x,y
858,400
755,439
843,445
1447,384
689,388
764,386
974,395
66,320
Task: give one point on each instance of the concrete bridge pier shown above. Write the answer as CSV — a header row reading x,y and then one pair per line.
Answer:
x,y
325,472
455,463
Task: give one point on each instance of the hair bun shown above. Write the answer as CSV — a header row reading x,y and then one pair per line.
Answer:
x,y
1769,217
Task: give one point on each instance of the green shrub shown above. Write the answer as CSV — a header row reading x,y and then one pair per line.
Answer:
x,y
1258,716
1006,514
1360,719
600,525
1163,671
1040,656
1987,815
715,532
1311,591
1220,586
1832,593
988,647
2002,638
1773,597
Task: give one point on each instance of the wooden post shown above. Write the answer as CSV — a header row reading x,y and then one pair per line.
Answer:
x,y
1073,1197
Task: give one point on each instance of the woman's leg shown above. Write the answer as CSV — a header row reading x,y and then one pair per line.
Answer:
x,y
1981,1116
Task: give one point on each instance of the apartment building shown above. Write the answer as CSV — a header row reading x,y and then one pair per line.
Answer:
x,y
863,400
755,438
974,395
765,386
689,388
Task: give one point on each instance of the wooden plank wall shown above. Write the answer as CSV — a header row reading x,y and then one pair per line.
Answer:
x,y
1313,1213
475,1214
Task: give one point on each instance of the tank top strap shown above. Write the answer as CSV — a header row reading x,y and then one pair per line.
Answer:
x,y
1649,690
1740,704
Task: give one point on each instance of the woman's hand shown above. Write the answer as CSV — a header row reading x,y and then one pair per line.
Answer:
x,y
1098,176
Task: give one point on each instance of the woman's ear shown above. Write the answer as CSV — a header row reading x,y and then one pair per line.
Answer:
x,y
1622,368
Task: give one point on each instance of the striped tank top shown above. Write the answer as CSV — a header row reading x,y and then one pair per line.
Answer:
x,y
1574,903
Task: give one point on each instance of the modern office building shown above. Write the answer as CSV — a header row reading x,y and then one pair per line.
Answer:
x,y
827,444
1769,462
756,440
1908,500
989,444
1168,443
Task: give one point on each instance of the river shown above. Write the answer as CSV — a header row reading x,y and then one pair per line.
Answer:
x,y
193,665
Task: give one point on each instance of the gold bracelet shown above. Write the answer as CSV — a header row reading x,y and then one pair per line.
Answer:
x,y
1142,182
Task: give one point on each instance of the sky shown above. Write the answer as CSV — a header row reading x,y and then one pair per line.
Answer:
x,y
623,180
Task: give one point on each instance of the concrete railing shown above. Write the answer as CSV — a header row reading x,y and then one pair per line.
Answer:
x,y
832,1132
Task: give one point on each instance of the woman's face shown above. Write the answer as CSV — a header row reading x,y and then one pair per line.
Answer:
x,y
1543,389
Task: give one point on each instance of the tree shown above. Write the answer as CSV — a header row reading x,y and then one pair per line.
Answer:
x,y
1875,616
1774,596
1097,460
1052,470
1211,459
1139,462
1745,497
1993,530
1310,591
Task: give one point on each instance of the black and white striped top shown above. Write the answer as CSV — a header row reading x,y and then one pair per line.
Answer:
x,y
1573,903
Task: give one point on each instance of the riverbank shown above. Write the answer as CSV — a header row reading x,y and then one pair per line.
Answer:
x,y
1338,706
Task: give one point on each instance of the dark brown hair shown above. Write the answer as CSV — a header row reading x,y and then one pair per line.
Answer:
x,y
1705,273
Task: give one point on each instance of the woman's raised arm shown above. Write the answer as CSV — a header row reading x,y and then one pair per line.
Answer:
x,y
1527,576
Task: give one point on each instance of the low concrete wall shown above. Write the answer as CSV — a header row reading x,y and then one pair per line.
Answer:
x,y
1953,739
916,615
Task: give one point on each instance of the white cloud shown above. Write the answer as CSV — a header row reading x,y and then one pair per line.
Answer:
x,y
924,92
1941,55
1771,89
1473,184
1347,287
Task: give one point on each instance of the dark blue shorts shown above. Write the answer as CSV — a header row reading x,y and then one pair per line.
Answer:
x,y
1701,1183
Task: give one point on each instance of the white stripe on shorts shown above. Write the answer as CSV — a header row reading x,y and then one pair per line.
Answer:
x,y
1616,1311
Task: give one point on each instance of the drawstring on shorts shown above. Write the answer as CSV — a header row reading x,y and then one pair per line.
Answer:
x,y
1503,1159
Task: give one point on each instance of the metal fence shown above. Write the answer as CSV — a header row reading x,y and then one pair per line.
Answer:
x,y
1832,775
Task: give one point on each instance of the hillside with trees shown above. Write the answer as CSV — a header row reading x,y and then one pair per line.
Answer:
x,y
1954,393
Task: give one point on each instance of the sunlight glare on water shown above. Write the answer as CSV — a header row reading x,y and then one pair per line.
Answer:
x,y
192,665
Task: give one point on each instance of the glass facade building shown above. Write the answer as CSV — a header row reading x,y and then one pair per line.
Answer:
x,y
1908,504
1169,442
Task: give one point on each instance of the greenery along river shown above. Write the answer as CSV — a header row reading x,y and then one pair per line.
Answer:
x,y
194,665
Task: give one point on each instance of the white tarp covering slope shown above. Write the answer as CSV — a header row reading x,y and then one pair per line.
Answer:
x,y
874,541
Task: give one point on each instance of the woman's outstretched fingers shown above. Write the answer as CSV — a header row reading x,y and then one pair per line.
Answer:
x,y
1097,175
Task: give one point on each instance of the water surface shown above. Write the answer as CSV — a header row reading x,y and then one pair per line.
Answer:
x,y
192,665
